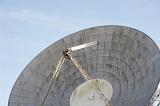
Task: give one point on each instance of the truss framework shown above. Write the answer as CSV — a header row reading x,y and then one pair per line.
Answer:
x,y
68,55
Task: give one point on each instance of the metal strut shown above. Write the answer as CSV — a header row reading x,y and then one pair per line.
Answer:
x,y
53,79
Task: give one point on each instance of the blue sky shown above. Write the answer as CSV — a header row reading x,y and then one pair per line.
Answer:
x,y
29,26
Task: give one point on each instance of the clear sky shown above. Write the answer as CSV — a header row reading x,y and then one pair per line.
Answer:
x,y
29,26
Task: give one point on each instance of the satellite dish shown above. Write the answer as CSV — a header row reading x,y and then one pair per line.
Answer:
x,y
124,57
86,95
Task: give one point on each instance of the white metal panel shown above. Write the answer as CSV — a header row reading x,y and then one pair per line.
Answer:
x,y
86,95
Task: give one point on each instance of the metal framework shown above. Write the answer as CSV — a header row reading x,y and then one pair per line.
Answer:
x,y
68,54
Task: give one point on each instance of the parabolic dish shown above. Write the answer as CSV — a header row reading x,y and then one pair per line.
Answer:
x,y
125,57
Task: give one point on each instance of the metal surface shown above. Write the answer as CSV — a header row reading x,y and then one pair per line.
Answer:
x,y
127,58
